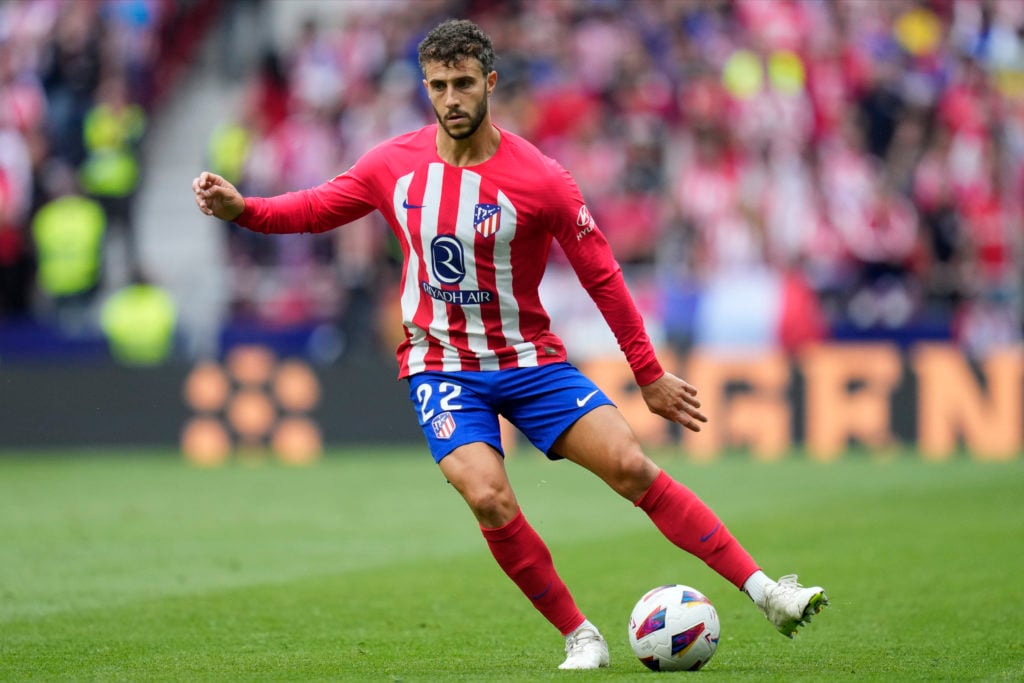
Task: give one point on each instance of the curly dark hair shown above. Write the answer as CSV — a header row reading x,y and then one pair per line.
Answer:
x,y
454,40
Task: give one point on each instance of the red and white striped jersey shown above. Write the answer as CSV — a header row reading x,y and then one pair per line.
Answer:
x,y
475,242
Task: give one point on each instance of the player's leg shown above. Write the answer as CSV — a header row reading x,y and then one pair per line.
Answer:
x,y
602,442
477,472
460,424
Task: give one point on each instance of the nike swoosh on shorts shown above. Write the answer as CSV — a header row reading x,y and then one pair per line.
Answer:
x,y
580,402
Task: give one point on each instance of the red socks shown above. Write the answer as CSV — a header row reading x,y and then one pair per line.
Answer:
x,y
690,524
675,510
521,553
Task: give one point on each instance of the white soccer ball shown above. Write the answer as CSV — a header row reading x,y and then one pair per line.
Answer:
x,y
674,628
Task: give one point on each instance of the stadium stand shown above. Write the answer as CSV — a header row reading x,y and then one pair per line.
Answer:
x,y
769,172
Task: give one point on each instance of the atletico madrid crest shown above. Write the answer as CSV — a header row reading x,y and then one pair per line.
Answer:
x,y
487,219
444,425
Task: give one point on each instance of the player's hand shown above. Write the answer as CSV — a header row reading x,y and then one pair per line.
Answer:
x,y
674,400
217,197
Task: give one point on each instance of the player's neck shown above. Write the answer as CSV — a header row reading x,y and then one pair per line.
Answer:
x,y
476,149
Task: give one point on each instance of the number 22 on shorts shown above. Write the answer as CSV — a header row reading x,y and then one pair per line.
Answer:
x,y
447,391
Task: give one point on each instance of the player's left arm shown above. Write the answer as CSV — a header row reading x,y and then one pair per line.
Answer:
x,y
674,399
600,274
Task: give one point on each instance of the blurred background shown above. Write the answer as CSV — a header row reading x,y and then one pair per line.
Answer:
x,y
774,176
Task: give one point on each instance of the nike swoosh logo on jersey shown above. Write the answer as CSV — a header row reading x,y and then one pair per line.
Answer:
x,y
407,205
580,402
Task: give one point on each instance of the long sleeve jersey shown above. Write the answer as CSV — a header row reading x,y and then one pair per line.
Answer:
x,y
475,242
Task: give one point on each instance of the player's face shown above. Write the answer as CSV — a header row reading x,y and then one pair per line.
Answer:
x,y
459,94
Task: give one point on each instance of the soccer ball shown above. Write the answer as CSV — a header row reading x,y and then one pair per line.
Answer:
x,y
674,628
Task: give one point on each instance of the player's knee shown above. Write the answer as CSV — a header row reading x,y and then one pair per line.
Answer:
x,y
633,474
492,506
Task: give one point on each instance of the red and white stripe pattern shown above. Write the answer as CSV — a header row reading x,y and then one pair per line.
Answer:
x,y
435,329
463,233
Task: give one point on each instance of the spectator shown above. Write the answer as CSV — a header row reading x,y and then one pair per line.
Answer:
x,y
54,56
866,158
16,263
139,322
111,172
71,67
68,232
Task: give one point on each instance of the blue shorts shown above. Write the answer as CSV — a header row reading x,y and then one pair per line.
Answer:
x,y
457,408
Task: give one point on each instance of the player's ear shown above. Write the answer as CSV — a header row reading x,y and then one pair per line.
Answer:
x,y
492,79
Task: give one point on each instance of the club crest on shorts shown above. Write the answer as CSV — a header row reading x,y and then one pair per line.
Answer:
x,y
486,219
444,425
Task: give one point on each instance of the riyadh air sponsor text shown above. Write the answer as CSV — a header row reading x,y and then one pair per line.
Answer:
x,y
459,297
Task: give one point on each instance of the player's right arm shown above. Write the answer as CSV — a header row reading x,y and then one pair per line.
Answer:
x,y
215,196
338,201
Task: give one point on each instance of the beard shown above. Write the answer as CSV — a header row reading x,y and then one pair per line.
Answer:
x,y
474,121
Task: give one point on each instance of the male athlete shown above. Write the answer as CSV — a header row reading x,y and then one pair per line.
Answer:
x,y
475,209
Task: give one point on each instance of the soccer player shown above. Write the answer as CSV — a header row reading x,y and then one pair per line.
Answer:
x,y
475,209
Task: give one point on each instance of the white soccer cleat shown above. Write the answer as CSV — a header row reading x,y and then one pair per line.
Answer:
x,y
585,649
788,605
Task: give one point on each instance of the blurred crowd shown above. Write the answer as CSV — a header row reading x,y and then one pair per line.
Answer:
x,y
79,81
769,172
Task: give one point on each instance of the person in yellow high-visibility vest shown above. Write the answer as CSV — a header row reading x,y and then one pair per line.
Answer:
x,y
139,321
68,233
112,132
228,148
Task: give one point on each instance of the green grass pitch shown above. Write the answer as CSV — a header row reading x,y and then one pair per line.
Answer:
x,y
367,567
